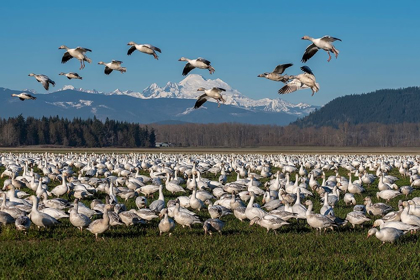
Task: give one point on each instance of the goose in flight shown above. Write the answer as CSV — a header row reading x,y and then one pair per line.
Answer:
x,y
301,81
78,53
71,75
324,43
43,79
24,96
276,74
113,65
209,93
196,63
144,48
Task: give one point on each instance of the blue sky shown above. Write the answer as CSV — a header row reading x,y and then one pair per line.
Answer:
x,y
379,48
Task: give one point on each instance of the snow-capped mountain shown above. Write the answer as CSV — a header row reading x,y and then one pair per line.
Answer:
x,y
187,89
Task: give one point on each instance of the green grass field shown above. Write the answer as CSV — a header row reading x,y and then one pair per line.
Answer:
x,y
242,252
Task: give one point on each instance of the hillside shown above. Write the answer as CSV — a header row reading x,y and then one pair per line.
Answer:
x,y
387,106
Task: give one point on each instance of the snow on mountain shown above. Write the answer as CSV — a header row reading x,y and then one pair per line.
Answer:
x,y
187,89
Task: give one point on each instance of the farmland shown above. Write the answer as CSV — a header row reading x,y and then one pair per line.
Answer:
x,y
242,251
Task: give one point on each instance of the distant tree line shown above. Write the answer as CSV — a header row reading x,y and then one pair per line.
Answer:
x,y
244,135
19,131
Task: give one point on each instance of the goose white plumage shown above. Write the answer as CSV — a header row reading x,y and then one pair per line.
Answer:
x,y
71,75
301,81
144,48
113,65
324,43
79,53
200,63
43,79
24,96
214,93
386,234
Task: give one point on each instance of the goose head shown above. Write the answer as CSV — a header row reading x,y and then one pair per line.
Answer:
x,y
183,59
61,74
62,47
101,62
201,89
31,74
371,232
263,75
306,37
131,43
308,202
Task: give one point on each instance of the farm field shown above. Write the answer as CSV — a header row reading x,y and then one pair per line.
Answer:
x,y
241,252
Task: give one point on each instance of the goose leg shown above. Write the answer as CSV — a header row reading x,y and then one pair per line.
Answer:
x,y
329,56
335,52
218,103
155,56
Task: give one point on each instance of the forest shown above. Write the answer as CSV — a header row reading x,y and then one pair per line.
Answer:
x,y
242,135
90,133
387,106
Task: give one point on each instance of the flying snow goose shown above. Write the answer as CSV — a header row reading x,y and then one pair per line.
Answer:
x,y
144,48
276,74
113,65
209,93
196,63
71,75
24,96
43,79
78,53
324,43
301,81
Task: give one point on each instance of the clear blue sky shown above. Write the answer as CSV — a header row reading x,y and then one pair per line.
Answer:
x,y
380,47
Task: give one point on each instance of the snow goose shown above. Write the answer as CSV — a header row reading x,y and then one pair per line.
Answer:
x,y
79,53
269,222
43,79
78,219
184,218
394,224
144,48
251,212
324,43
406,190
71,75
158,204
113,65
386,234
217,211
166,224
388,194
24,96
356,218
101,225
171,187
196,203
38,218
213,225
349,199
276,74
377,208
214,93
130,218
318,221
196,63
301,81
408,218
6,218
23,223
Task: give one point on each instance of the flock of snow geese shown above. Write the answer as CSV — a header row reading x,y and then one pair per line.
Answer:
x,y
120,178
292,83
